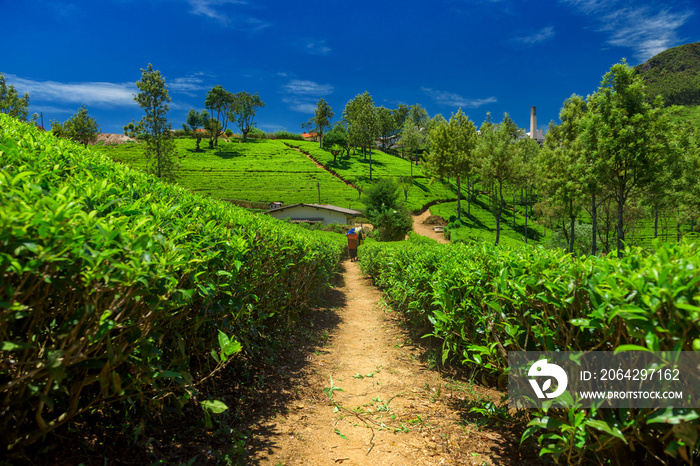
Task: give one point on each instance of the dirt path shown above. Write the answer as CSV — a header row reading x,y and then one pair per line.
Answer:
x,y
427,230
387,407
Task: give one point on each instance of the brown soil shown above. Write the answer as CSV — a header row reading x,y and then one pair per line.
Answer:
x,y
388,407
421,228
112,138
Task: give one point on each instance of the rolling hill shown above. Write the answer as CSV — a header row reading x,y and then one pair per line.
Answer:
x,y
674,74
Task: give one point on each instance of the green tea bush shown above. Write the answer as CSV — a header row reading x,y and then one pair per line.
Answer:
x,y
482,301
284,134
116,288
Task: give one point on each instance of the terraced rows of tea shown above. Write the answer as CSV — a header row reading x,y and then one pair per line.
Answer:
x,y
259,170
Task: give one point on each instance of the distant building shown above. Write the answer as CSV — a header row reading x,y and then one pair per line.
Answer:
x,y
310,136
536,134
315,213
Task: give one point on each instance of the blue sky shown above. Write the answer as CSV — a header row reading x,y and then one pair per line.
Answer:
x,y
481,55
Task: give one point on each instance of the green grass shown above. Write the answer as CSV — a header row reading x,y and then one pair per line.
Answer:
x,y
481,224
257,170
356,170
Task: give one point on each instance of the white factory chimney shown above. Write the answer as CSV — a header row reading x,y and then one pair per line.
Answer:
x,y
533,122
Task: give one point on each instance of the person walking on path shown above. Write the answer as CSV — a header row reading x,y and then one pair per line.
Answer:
x,y
355,238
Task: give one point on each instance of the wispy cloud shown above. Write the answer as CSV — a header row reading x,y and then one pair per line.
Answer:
x,y
187,84
645,31
302,95
88,93
537,37
217,10
452,99
302,87
642,28
316,47
300,105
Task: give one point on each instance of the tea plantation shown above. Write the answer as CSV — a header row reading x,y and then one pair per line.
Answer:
x,y
121,294
481,302
267,170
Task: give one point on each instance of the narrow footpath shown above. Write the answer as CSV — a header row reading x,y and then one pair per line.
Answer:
x,y
370,398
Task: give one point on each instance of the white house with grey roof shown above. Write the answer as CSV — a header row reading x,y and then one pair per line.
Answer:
x,y
316,213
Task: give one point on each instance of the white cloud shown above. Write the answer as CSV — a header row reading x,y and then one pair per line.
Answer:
x,y
187,84
300,105
645,29
302,95
316,47
539,36
216,9
455,100
647,32
301,87
88,93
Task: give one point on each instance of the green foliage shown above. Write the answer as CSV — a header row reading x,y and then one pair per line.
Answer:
x,y
118,289
390,217
80,127
482,302
256,170
626,138
674,74
219,102
160,148
323,114
10,101
242,111
256,133
355,170
284,134
335,141
363,125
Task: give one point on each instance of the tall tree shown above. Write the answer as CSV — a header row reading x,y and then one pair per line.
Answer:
x,y
498,158
160,146
562,163
412,138
194,123
323,114
387,124
80,127
10,101
529,151
626,136
218,102
363,127
243,110
336,141
452,152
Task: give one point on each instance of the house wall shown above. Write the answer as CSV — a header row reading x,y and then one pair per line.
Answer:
x,y
306,212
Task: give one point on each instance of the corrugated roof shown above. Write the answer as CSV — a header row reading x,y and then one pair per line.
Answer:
x,y
332,208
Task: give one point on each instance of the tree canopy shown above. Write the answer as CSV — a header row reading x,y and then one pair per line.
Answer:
x,y
243,110
10,101
160,147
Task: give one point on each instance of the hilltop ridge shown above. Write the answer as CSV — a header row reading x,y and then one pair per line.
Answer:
x,y
674,74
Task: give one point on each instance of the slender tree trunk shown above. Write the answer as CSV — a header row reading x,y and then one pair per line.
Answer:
x,y
525,223
370,165
656,222
469,198
594,219
459,200
513,210
500,211
620,231
573,233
